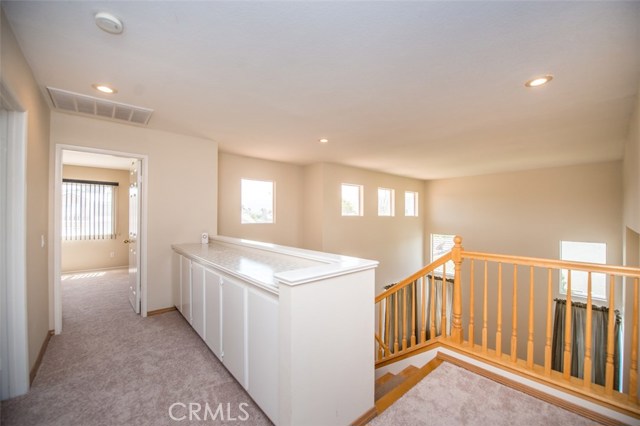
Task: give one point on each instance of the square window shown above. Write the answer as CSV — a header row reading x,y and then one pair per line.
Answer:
x,y
257,200
442,244
386,198
351,200
575,251
410,203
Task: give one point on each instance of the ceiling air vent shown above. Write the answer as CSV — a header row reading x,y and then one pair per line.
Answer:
x,y
88,105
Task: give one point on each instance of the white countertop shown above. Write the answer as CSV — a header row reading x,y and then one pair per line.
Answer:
x,y
269,265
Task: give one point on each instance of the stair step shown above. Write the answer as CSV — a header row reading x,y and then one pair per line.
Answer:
x,y
397,385
389,381
384,379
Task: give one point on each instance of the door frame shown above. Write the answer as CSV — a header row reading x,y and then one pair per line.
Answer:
x,y
56,237
13,282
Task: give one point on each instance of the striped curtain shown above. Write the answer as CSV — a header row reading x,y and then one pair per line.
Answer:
x,y
88,210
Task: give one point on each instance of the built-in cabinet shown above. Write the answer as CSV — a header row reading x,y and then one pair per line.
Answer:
x,y
197,298
262,330
213,303
271,315
234,310
217,307
185,288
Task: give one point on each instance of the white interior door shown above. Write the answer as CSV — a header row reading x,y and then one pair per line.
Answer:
x,y
134,230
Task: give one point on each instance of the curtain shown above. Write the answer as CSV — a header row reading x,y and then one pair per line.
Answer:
x,y
599,331
88,209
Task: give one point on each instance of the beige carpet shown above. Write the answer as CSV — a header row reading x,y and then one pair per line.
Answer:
x,y
451,395
112,367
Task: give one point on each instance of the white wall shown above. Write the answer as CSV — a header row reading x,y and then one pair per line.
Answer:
x,y
631,213
527,214
18,78
396,242
87,255
182,186
288,180
631,170
308,203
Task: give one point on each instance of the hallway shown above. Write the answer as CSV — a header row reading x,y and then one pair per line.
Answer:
x,y
112,367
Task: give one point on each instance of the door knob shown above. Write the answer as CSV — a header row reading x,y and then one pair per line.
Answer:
x,y
127,241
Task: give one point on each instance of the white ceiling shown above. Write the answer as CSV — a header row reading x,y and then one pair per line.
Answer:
x,y
421,89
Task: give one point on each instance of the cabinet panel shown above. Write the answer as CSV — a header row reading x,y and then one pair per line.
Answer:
x,y
185,283
175,279
233,329
262,351
197,298
213,312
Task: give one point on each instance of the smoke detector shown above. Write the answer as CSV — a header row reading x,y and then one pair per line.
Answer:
x,y
109,23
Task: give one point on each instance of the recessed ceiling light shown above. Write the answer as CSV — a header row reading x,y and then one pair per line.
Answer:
x,y
539,81
104,88
109,23
323,140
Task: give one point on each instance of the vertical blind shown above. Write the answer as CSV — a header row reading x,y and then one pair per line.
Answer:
x,y
88,210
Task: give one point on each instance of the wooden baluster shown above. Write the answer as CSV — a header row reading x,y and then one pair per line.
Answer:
x,y
413,313
547,345
586,375
404,318
566,371
514,316
432,309
423,335
443,314
456,326
471,308
387,314
484,309
499,328
633,373
609,371
531,317
396,337
380,353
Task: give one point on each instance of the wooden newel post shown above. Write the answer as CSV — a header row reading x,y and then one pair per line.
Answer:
x,y
456,326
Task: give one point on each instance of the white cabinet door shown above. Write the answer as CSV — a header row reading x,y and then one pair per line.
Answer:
x,y
175,279
197,298
185,283
233,329
262,351
213,312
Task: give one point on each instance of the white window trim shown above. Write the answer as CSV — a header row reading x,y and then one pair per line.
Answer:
x,y
360,201
392,202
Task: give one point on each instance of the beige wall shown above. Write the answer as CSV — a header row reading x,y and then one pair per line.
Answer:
x,y
18,78
87,255
631,214
308,213
288,180
181,188
631,167
396,242
528,213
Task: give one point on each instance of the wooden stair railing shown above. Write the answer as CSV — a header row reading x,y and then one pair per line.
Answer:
x,y
407,321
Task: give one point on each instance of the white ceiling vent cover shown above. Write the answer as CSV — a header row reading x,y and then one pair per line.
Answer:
x,y
88,105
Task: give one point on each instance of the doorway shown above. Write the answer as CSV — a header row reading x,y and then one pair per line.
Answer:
x,y
84,157
14,368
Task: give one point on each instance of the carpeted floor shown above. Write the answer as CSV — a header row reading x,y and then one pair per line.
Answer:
x,y
451,395
112,367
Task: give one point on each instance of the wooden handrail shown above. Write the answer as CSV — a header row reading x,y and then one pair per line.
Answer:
x,y
414,322
409,280
554,264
